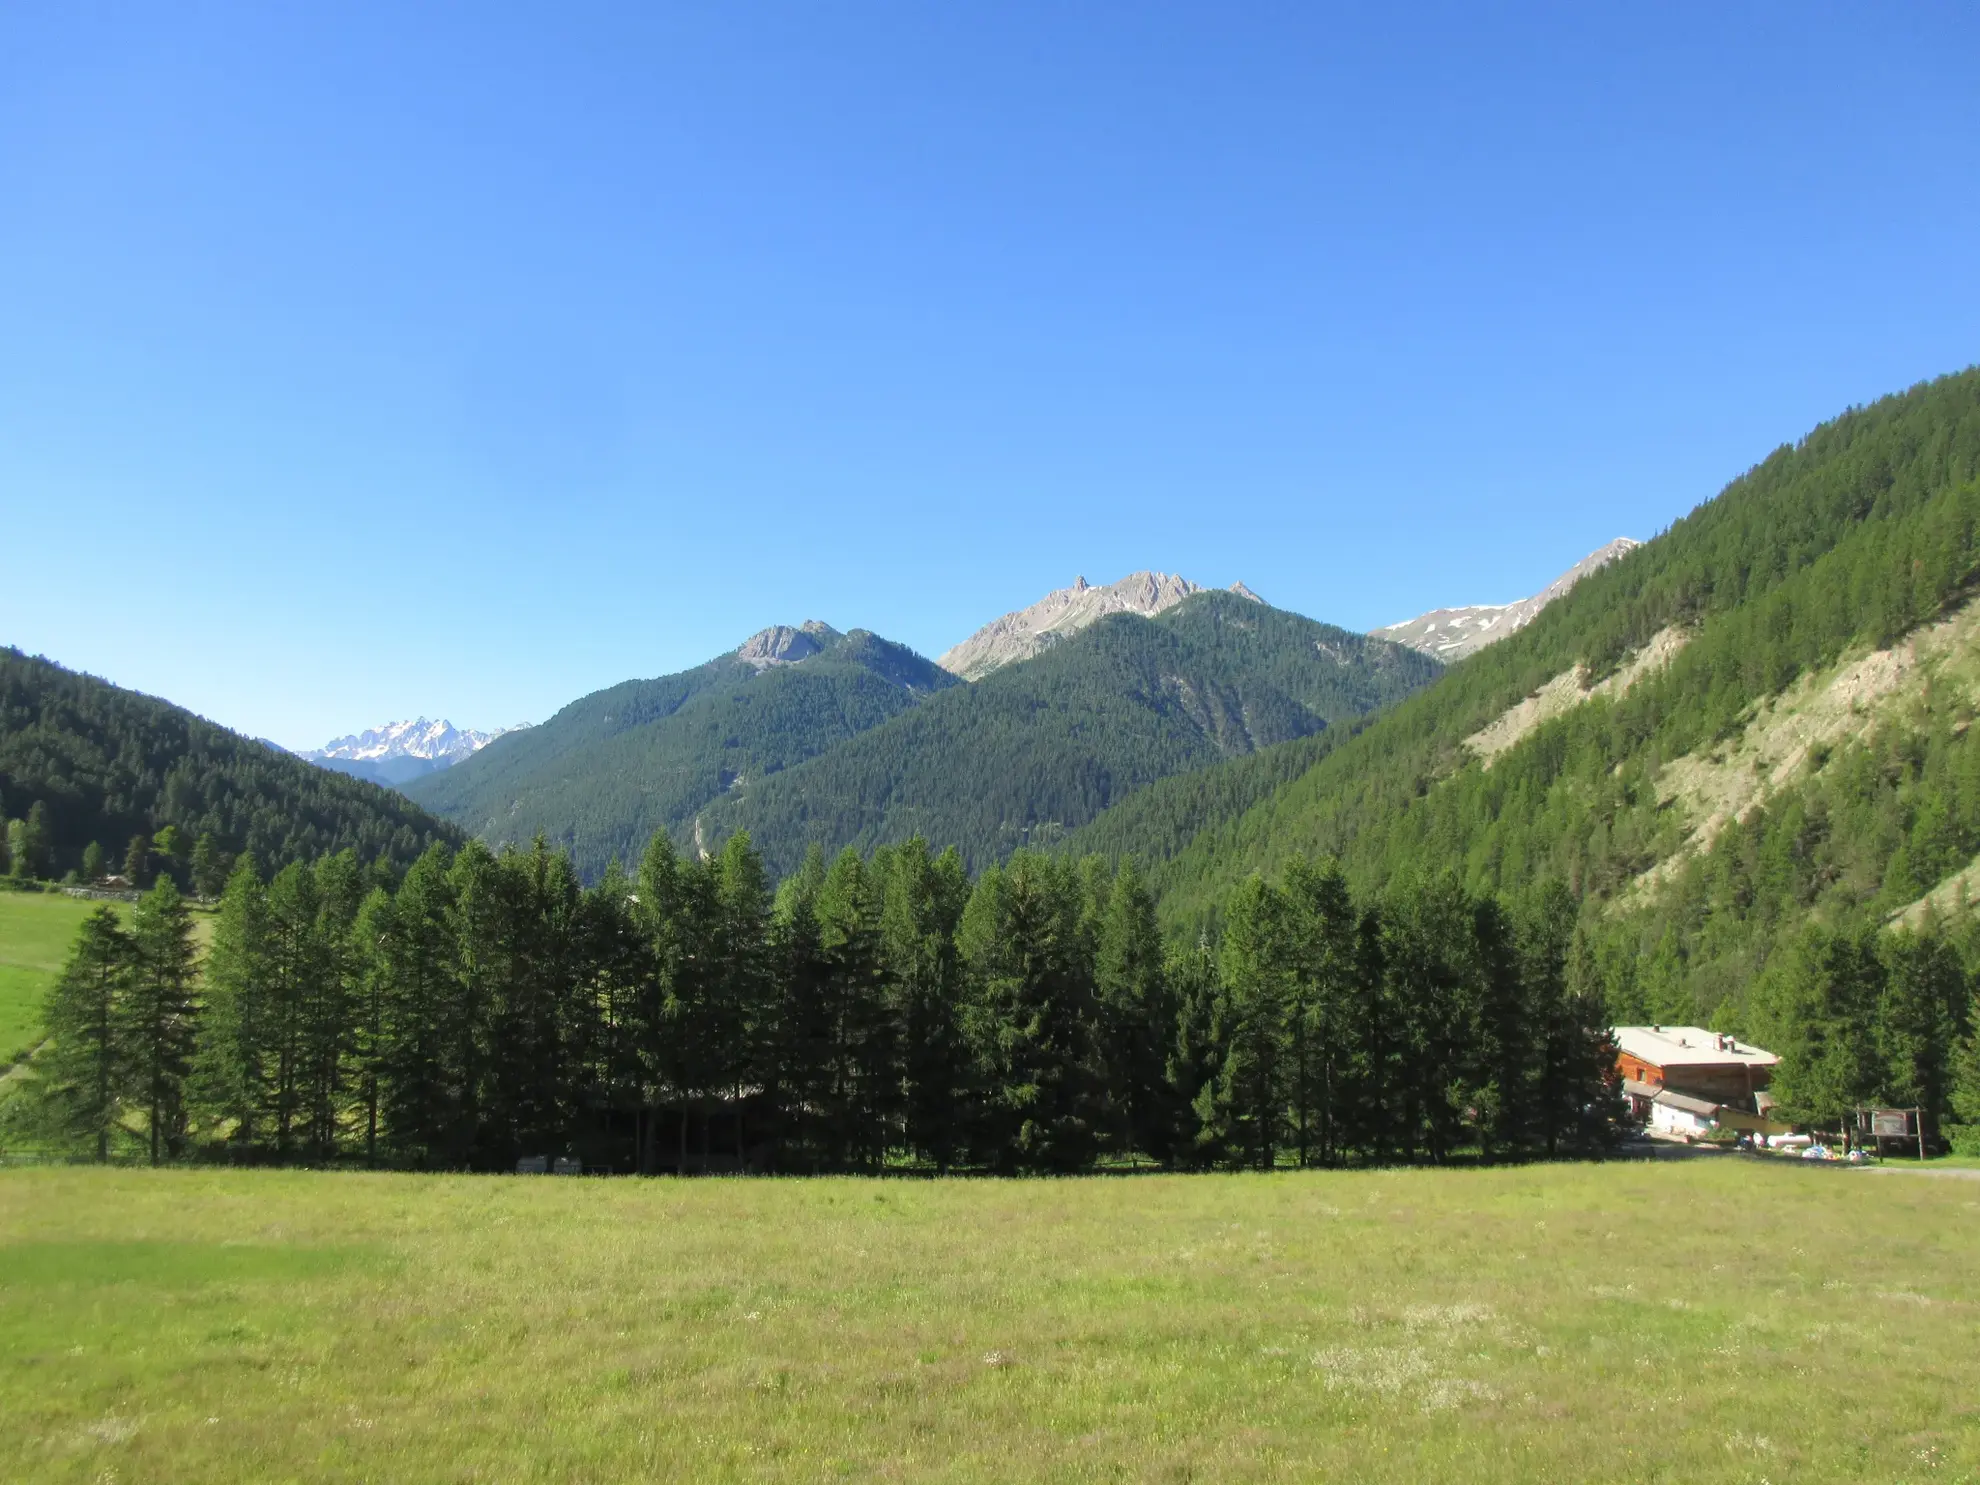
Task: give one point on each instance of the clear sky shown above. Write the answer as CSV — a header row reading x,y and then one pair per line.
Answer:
x,y
362,361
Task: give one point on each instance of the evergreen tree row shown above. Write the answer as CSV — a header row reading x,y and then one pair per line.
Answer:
x,y
871,1013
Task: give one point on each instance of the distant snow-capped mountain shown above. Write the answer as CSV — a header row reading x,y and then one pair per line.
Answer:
x,y
1452,633
399,752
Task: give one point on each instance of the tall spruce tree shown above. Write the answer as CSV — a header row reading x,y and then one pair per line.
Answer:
x,y
862,1086
81,1075
1819,1012
1032,1016
160,1016
429,1060
1137,1019
230,1086
1921,1023
924,899
1243,1110
1320,921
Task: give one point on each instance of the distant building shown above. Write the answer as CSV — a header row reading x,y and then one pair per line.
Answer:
x,y
1687,1080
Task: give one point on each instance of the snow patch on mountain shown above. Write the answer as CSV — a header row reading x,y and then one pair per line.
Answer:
x,y
1452,633
399,752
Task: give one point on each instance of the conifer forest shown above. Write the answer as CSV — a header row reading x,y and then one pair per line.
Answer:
x,y
872,1013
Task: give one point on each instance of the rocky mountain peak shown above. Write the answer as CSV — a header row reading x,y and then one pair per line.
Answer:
x,y
1059,614
418,738
780,644
1452,633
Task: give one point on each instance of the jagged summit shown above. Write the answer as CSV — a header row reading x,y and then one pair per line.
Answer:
x,y
399,752
1452,633
1064,612
418,738
780,644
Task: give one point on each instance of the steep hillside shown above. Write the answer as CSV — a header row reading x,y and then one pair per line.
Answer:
x,y
1709,740
1452,633
109,764
1061,614
1038,748
611,768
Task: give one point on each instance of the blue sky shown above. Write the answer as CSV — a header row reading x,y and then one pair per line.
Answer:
x,y
360,361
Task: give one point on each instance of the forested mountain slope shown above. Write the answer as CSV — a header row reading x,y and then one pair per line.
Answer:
x,y
1532,759
611,768
107,764
1041,746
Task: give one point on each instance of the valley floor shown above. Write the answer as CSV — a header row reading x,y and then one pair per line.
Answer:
x,y
1708,1320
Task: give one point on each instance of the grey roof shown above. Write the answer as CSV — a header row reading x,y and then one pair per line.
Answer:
x,y
1702,1107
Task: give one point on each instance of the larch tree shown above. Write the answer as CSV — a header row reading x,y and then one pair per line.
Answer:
x,y
161,1015
81,1076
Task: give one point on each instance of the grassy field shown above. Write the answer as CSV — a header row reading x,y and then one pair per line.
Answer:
x,y
1705,1320
36,930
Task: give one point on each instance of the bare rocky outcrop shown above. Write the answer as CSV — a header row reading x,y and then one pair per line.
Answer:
x,y
1569,689
1788,736
780,644
1064,612
1452,633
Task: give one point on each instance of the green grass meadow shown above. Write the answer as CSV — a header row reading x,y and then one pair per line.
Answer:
x,y
36,931
1702,1320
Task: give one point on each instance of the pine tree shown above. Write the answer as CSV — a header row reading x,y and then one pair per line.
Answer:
x,y
32,853
1819,1012
92,862
1244,1109
428,1059
370,1000
209,869
1324,946
924,901
1921,1023
744,967
1193,1060
298,968
801,1058
80,1076
137,860
327,1025
862,1085
230,1078
161,1012
1137,1018
1031,1016
1500,1027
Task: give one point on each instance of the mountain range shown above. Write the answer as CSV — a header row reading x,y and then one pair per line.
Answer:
x,y
1756,722
400,752
808,736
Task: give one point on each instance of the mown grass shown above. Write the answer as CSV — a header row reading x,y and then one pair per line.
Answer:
x,y
36,930
1708,1320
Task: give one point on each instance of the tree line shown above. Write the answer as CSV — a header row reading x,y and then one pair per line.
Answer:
x,y
868,1013
197,864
